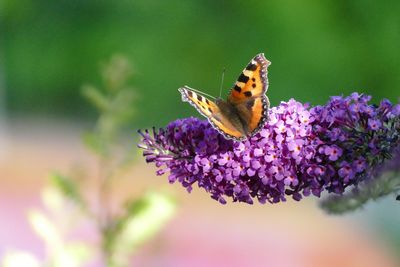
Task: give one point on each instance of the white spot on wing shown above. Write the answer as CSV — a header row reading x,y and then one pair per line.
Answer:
x,y
248,73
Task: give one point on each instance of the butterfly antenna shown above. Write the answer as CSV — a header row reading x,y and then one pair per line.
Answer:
x,y
222,82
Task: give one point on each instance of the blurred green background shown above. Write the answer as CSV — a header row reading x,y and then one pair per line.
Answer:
x,y
48,49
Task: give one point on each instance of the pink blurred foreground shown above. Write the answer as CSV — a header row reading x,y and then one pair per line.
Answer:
x,y
203,233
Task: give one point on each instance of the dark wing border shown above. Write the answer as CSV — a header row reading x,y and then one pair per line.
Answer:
x,y
265,115
265,100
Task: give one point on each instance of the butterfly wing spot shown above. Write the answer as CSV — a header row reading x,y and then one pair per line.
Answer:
x,y
250,101
243,78
197,101
248,73
248,93
253,78
250,104
252,66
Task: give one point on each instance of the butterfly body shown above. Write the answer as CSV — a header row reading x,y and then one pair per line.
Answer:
x,y
245,111
229,112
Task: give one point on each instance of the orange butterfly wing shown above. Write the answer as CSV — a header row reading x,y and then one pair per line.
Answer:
x,y
212,112
248,94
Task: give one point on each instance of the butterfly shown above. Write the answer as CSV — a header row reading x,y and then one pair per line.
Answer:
x,y
245,111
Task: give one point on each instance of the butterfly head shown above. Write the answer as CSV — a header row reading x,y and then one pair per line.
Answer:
x,y
218,100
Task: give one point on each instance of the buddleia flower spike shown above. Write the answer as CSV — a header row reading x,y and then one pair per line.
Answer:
x,y
300,151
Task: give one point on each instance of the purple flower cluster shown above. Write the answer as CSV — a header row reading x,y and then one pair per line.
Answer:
x,y
300,151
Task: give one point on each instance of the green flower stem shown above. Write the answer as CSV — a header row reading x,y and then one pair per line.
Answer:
x,y
388,183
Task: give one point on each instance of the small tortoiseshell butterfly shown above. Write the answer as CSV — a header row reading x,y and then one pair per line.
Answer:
x,y
245,111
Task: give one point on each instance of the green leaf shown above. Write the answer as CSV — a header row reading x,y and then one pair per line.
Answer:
x,y
73,254
95,143
120,112
116,73
45,229
388,183
95,97
122,105
68,187
143,219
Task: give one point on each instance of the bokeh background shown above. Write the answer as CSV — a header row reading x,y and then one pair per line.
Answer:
x,y
49,49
